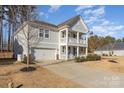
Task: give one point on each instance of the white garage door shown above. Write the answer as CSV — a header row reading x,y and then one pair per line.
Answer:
x,y
44,54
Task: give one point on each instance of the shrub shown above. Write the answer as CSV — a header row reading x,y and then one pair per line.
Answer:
x,y
93,57
30,59
104,54
77,59
98,57
80,59
90,57
83,59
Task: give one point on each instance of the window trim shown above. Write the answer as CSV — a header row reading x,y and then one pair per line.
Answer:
x,y
63,33
48,33
43,33
40,32
63,48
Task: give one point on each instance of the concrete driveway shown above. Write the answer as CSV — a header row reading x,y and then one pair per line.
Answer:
x,y
86,76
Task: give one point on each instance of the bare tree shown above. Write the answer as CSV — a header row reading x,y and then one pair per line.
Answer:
x,y
29,39
27,13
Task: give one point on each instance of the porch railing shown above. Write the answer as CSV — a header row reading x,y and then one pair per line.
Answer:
x,y
73,40
82,41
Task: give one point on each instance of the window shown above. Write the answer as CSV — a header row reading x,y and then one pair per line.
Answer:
x,y
46,33
63,49
41,33
81,36
74,35
63,34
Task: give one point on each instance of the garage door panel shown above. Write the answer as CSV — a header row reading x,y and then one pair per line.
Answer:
x,y
44,54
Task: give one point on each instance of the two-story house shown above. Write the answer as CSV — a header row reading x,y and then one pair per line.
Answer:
x,y
52,42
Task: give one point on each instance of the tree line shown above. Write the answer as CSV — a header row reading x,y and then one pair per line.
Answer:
x,y
11,17
98,41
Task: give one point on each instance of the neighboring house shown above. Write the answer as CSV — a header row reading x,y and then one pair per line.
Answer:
x,y
113,49
52,42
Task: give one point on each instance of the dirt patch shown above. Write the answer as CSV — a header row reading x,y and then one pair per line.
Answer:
x,y
39,78
115,64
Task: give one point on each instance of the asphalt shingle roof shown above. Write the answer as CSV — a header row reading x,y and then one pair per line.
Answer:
x,y
71,21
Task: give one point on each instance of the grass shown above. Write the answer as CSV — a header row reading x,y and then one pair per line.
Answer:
x,y
114,64
39,78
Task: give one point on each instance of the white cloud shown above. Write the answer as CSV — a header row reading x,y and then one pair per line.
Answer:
x,y
97,22
107,28
99,11
105,22
41,13
82,7
93,16
54,8
111,33
95,12
90,20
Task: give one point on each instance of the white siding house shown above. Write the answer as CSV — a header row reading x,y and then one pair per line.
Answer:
x,y
113,49
52,42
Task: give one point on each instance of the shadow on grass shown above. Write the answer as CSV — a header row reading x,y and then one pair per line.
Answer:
x,y
19,86
29,69
29,62
112,61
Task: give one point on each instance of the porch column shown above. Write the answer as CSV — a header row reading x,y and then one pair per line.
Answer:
x,y
86,51
77,51
59,52
66,43
66,52
59,44
77,37
66,36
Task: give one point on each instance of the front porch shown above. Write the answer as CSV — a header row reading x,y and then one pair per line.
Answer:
x,y
70,52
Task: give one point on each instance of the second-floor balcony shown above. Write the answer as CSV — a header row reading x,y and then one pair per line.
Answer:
x,y
73,37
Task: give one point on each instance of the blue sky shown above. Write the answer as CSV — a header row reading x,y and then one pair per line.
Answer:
x,y
102,20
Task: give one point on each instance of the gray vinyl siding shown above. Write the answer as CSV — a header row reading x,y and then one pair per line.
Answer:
x,y
46,45
51,42
79,26
35,41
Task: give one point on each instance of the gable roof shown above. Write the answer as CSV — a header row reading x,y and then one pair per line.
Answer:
x,y
71,21
42,22
112,46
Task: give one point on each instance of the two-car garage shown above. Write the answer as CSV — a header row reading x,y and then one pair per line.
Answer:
x,y
44,54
